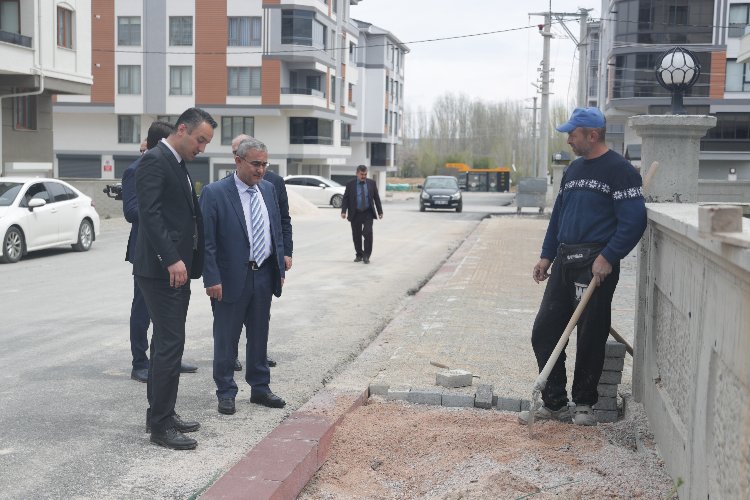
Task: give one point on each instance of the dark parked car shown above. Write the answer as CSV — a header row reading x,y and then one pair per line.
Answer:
x,y
440,191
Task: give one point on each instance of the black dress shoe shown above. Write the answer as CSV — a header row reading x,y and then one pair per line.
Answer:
x,y
174,439
179,424
237,365
268,399
271,362
141,375
366,260
188,368
357,259
226,406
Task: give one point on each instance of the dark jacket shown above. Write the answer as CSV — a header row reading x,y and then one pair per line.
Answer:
x,y
349,203
169,217
283,199
130,207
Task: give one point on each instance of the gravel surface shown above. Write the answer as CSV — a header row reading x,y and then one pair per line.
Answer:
x,y
396,450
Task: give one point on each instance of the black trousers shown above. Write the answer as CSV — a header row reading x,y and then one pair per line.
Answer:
x,y
168,309
139,323
559,302
362,230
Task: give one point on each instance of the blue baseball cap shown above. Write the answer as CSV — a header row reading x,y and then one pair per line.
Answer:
x,y
583,117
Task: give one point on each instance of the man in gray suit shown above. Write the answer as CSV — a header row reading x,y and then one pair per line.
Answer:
x,y
243,268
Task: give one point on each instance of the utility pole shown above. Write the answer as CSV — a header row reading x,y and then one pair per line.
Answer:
x,y
541,167
534,137
582,59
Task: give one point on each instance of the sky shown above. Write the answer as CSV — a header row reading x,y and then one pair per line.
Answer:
x,y
493,67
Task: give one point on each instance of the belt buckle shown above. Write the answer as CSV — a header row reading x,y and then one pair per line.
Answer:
x,y
253,265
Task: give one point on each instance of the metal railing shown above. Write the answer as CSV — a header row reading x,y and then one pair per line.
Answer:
x,y
302,91
15,38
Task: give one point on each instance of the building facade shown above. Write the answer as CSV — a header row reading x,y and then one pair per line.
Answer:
x,y
283,71
633,33
45,50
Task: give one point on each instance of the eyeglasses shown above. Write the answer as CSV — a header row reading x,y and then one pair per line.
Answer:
x,y
255,163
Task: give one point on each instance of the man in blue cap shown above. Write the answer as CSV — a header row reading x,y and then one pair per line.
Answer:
x,y
598,217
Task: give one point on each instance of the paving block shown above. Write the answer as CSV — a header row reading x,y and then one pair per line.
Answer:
x,y
454,378
606,404
425,396
399,392
525,405
606,416
379,389
458,400
614,349
614,364
508,404
483,398
610,377
606,390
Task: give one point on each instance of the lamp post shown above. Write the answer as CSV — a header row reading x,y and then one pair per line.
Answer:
x,y
678,69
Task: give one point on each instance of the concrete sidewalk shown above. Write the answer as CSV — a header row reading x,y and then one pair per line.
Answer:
x,y
476,314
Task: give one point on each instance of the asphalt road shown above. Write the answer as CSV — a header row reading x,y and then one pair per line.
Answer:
x,y
72,422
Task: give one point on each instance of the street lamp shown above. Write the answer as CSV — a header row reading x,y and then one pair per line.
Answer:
x,y
678,70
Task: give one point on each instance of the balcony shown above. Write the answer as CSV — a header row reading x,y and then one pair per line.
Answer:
x,y
302,91
15,38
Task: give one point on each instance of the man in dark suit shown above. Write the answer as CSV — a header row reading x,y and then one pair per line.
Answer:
x,y
362,202
139,318
286,222
244,267
169,252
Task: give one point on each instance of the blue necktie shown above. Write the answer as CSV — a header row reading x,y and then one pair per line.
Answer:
x,y
256,221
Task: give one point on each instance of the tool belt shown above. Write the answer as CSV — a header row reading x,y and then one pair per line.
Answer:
x,y
579,256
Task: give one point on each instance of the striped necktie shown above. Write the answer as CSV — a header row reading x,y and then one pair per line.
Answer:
x,y
256,221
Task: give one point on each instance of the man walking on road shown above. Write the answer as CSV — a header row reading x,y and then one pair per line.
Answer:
x,y
244,267
598,217
168,253
362,202
139,318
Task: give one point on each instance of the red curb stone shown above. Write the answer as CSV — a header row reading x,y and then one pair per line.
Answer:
x,y
280,465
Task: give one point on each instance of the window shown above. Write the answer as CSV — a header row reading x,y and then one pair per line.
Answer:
x,y
243,81
333,89
181,31
346,134
232,126
128,31
25,113
243,32
129,80
35,191
129,129
58,192
167,118
64,28
310,131
731,126
352,53
10,16
299,27
180,80
738,77
664,21
739,17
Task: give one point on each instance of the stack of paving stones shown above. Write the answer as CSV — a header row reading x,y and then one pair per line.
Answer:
x,y
614,360
605,409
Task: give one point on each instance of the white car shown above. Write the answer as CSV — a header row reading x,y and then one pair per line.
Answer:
x,y
39,212
316,189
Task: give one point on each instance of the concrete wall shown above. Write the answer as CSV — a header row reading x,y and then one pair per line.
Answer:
x,y
692,346
723,191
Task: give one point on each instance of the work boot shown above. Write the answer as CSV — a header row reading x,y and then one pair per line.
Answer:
x,y
584,415
544,413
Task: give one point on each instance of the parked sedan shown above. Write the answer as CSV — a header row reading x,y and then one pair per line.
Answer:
x,y
316,189
37,213
440,191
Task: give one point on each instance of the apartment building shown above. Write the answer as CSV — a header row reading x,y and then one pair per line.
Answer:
x,y
633,33
283,71
45,49
378,131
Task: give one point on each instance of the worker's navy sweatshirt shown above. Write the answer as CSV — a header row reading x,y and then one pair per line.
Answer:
x,y
600,201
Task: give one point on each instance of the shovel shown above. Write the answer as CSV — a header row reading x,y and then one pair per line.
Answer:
x,y
541,380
